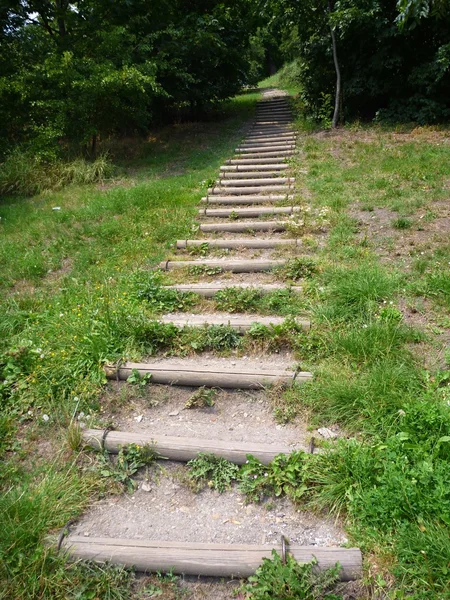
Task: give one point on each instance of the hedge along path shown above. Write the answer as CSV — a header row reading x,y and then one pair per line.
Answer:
x,y
258,169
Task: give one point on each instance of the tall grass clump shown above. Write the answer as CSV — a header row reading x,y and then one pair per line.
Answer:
x,y
26,174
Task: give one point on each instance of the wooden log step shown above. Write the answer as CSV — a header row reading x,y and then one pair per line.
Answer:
x,y
271,113
239,243
190,558
270,130
246,200
251,161
269,154
183,449
248,212
240,323
235,266
251,182
279,135
255,167
250,174
208,290
276,148
250,199
277,143
272,121
256,189
244,226
234,377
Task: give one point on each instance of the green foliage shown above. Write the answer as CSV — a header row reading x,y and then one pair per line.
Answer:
x,y
204,270
27,174
214,471
201,398
282,476
137,379
275,580
297,268
165,300
82,72
402,223
238,299
130,459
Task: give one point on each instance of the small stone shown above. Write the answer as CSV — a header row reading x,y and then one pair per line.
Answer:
x,y
281,514
174,413
56,208
86,534
146,487
326,433
139,418
245,415
45,418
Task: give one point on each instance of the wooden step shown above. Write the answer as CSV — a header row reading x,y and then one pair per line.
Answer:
x,y
183,449
240,323
271,154
190,558
244,226
250,199
256,175
269,144
252,182
208,290
281,135
246,190
254,167
248,212
235,266
264,149
272,121
234,377
231,243
252,161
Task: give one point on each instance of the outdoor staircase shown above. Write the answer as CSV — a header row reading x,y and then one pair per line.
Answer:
x,y
258,175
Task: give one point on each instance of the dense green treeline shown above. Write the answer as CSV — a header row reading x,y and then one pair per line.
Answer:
x,y
394,61
72,71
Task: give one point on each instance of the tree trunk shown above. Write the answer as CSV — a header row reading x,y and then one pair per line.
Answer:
x,y
337,101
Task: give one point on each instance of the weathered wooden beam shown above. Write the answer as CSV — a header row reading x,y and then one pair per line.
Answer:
x,y
190,558
235,266
234,377
244,190
244,199
231,243
251,161
244,226
260,181
209,290
257,176
248,212
264,149
271,154
255,167
183,449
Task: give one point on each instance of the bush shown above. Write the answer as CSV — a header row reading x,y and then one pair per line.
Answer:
x,y
27,174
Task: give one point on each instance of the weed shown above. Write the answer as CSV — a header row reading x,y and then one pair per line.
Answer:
x,y
166,300
282,476
204,270
139,380
297,268
129,460
201,398
238,299
290,580
200,250
74,436
218,473
402,223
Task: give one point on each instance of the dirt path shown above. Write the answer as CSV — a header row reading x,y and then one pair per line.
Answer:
x,y
163,507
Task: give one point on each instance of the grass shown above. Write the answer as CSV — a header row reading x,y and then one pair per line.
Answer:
x,y
76,291
69,300
382,373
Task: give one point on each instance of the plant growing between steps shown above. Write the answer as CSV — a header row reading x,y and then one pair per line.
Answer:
x,y
129,460
275,580
201,398
216,472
